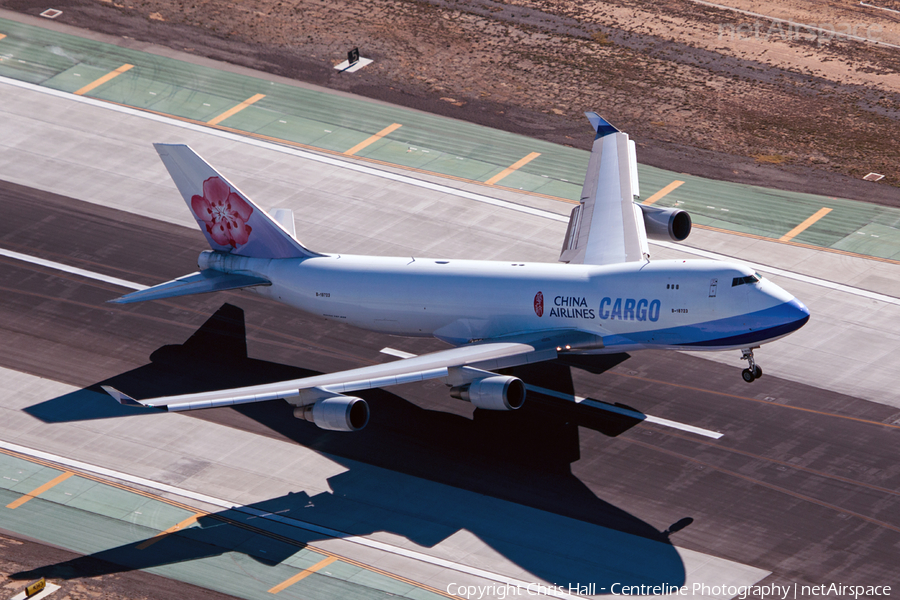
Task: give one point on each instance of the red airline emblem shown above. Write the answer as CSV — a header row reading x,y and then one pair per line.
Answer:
x,y
539,304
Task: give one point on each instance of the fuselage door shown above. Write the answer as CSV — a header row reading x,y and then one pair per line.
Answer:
x,y
713,284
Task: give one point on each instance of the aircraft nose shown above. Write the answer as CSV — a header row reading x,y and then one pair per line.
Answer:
x,y
797,314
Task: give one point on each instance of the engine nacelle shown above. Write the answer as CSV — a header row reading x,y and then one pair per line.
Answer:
x,y
500,392
340,413
666,224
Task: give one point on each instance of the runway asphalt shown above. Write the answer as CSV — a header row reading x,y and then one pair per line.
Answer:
x,y
802,486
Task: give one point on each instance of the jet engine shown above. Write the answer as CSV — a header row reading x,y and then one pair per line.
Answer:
x,y
500,392
340,413
666,224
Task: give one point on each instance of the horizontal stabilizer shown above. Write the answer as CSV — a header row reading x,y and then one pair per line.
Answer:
x,y
285,218
208,280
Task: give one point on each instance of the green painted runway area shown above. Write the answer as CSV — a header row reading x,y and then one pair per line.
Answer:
x,y
230,551
430,143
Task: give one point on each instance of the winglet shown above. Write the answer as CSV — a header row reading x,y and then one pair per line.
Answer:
x,y
121,398
600,125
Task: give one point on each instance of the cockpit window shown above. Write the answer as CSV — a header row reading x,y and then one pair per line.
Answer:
x,y
748,279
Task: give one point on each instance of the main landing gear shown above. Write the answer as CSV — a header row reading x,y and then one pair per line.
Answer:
x,y
754,372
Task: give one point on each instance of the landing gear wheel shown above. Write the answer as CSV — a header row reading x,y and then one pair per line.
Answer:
x,y
754,371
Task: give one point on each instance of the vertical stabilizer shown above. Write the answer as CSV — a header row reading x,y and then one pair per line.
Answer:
x,y
607,227
230,221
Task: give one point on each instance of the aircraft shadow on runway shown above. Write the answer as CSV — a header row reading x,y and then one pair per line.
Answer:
x,y
524,457
553,558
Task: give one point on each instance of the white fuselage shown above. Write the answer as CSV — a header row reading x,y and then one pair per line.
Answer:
x,y
695,304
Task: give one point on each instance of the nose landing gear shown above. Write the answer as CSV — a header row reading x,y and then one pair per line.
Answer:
x,y
755,371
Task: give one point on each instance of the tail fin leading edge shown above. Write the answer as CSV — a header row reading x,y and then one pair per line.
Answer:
x,y
230,221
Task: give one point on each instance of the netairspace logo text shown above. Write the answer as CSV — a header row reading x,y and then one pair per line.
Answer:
x,y
821,33
789,592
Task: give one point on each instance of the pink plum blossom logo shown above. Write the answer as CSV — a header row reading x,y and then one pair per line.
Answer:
x,y
223,212
539,304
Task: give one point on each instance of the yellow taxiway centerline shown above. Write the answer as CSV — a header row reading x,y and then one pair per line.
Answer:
x,y
236,109
804,225
39,490
163,534
373,139
675,184
514,167
102,80
303,574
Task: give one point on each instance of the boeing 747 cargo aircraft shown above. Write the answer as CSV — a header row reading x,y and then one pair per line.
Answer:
x,y
607,296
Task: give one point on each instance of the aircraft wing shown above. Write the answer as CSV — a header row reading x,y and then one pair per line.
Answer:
x,y
607,227
488,355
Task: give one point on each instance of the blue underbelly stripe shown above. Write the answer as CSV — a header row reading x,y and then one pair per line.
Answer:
x,y
739,330
754,337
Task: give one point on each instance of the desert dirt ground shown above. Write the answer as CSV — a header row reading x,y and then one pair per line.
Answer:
x,y
760,99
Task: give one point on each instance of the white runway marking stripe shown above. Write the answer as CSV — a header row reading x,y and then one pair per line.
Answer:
x,y
626,412
74,270
595,404
359,168
397,353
